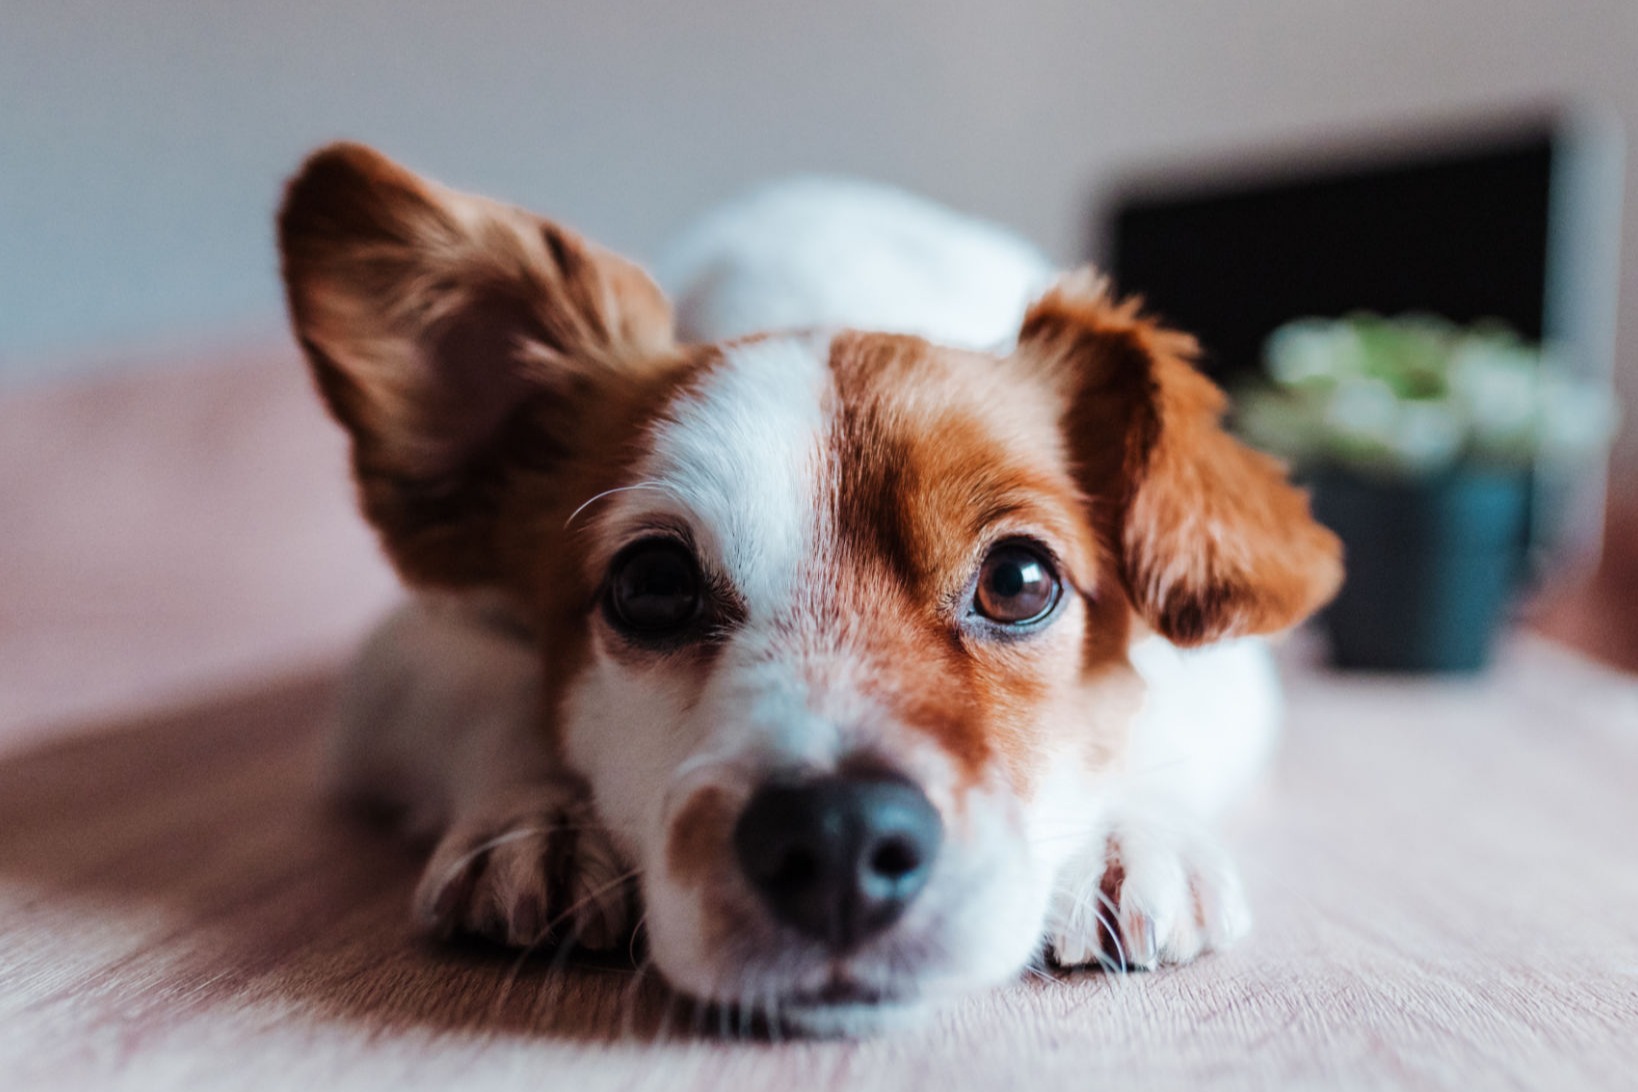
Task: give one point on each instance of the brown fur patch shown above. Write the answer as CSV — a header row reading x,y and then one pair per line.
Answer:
x,y
699,842
447,333
936,456
1213,540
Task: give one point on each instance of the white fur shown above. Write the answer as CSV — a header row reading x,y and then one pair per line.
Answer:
x,y
1208,725
846,253
1202,740
737,462
442,713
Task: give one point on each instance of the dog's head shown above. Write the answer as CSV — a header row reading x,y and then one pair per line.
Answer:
x,y
834,624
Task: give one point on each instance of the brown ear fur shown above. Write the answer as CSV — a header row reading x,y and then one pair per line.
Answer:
x,y
436,323
1213,541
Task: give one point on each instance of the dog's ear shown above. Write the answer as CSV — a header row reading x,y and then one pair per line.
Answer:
x,y
1211,539
439,326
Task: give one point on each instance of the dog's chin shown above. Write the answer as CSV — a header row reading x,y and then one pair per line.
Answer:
x,y
842,1009
852,1019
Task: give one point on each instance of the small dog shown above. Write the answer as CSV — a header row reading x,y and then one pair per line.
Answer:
x,y
856,659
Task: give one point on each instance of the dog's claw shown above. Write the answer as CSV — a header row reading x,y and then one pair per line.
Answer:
x,y
1169,895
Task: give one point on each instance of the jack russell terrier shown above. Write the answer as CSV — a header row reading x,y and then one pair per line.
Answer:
x,y
871,665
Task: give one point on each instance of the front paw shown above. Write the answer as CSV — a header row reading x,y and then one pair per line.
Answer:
x,y
538,871
1148,894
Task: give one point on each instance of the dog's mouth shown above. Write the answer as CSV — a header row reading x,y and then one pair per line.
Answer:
x,y
845,1006
843,989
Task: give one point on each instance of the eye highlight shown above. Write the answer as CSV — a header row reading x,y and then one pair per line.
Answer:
x,y
1017,584
654,589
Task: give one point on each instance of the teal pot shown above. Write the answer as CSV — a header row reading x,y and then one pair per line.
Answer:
x,y
1432,566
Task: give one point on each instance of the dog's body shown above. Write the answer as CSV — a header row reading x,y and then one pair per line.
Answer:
x,y
853,657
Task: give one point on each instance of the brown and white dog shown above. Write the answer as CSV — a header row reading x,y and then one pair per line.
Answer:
x,y
858,659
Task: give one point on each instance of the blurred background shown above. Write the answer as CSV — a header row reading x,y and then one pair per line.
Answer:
x,y
144,144
142,147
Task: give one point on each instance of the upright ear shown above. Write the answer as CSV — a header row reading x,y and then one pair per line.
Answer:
x,y
439,326
1211,539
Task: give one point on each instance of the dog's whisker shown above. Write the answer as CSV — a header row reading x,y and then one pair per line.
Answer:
x,y
506,837
636,933
564,949
1035,970
460,863
562,952
629,999
567,946
654,485
1087,902
512,976
593,895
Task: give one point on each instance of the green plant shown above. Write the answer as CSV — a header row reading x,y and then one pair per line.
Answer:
x,y
1417,395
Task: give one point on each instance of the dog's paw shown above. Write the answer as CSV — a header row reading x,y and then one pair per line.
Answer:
x,y
1149,895
536,873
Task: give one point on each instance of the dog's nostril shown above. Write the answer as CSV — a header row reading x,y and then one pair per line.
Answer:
x,y
838,858
895,859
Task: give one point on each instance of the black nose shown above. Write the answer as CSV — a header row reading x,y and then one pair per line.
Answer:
x,y
838,858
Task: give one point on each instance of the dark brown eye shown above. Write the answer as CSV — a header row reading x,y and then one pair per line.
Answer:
x,y
1017,585
654,588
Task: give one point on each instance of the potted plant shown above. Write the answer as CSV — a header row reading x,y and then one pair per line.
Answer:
x,y
1419,439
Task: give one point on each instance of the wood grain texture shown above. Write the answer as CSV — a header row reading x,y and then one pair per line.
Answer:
x,y
1445,873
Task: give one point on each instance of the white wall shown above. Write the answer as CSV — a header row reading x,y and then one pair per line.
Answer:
x,y
142,144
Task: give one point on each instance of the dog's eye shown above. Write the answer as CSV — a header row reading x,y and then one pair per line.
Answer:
x,y
1017,585
654,588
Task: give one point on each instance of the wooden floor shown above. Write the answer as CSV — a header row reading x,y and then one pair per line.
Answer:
x,y
1445,873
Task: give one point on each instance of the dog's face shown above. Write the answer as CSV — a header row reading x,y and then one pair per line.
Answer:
x,y
834,624
848,584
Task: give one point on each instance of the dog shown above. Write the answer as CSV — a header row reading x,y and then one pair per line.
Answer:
x,y
866,665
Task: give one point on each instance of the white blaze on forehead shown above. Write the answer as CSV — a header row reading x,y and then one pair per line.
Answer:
x,y
738,462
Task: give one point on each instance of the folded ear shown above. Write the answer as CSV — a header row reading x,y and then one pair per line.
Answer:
x,y
439,326
1211,539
